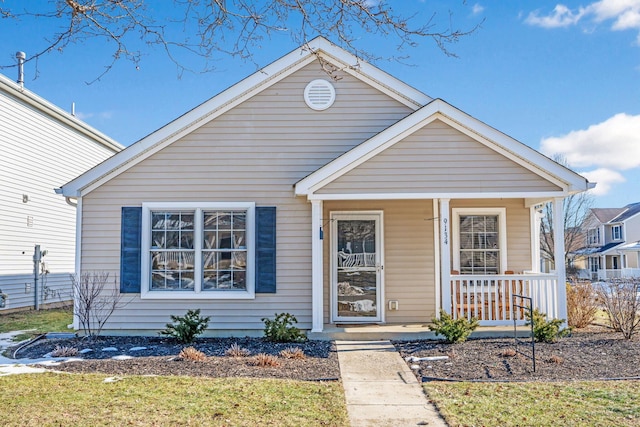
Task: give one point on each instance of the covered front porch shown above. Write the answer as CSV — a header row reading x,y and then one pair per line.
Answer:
x,y
405,302
450,207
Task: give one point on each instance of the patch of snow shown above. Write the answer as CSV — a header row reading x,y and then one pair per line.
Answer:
x,y
110,349
122,357
85,350
19,369
137,348
112,379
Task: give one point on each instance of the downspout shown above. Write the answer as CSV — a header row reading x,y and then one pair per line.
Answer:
x,y
70,201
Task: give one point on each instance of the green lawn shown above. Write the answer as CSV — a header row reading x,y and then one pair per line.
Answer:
x,y
54,320
53,399
584,403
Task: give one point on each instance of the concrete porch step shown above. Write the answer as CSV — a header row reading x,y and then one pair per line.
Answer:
x,y
404,332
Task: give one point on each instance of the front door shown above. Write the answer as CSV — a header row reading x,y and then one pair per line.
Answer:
x,y
356,264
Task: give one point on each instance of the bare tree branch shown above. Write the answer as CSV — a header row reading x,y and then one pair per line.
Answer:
x,y
208,29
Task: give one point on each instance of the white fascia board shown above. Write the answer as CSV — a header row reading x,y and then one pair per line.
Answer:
x,y
524,155
417,196
374,76
233,96
439,109
366,150
56,113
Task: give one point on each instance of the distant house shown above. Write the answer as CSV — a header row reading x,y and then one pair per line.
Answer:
x,y
40,146
612,246
349,198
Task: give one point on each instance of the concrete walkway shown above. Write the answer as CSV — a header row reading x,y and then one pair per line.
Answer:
x,y
380,389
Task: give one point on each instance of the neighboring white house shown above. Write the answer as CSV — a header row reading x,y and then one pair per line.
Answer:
x,y
612,246
40,146
351,198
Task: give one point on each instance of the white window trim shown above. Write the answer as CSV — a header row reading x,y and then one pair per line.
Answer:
x,y
613,236
455,231
197,293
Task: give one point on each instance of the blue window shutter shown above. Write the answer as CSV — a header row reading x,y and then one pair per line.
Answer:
x,y
130,249
266,249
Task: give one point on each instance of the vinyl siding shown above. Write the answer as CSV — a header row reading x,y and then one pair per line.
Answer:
x,y
438,159
518,229
409,259
256,152
38,154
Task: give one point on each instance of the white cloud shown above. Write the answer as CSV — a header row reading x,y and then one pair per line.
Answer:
x,y
614,143
561,16
605,179
625,15
609,147
477,8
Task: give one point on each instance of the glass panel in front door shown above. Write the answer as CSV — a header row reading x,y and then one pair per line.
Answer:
x,y
357,265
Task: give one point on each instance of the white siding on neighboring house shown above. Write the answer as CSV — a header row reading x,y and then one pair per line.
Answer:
x,y
432,161
38,154
255,152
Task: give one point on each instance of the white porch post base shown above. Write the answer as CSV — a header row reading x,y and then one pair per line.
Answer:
x,y
317,279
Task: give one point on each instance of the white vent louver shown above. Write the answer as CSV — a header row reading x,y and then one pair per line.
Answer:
x,y
319,94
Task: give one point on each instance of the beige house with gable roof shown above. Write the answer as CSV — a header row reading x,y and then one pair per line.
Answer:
x,y
344,199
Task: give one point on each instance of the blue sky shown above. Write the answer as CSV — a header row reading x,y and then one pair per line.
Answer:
x,y
561,77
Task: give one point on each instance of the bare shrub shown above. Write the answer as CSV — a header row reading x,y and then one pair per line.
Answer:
x,y
293,353
94,301
64,351
582,304
555,359
508,352
265,360
191,353
621,300
237,351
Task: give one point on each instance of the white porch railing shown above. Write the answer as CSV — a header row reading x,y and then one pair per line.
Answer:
x,y
619,273
489,298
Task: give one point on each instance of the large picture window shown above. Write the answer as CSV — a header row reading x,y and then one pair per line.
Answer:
x,y
479,238
203,250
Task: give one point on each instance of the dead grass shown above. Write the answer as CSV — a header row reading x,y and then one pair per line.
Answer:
x,y
237,351
64,351
192,354
293,353
265,360
585,403
87,400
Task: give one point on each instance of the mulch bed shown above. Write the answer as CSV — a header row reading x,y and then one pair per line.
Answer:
x,y
160,357
596,353
593,354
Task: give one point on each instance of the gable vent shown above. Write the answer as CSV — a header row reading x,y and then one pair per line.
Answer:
x,y
319,94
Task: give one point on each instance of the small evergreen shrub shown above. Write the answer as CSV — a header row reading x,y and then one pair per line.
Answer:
x,y
186,328
454,331
237,351
192,354
546,330
281,329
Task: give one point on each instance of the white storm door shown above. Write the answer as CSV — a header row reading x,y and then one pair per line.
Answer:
x,y
356,267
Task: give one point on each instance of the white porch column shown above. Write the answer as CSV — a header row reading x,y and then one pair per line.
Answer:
x,y
445,254
558,256
317,279
536,218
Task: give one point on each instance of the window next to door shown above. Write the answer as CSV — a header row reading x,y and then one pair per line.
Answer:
x,y
479,240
